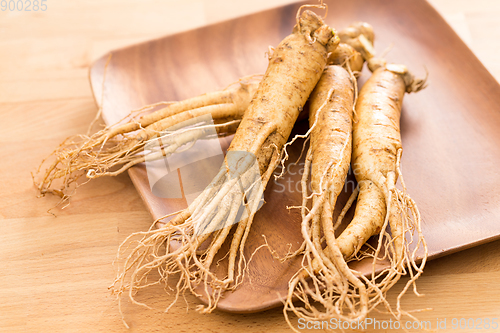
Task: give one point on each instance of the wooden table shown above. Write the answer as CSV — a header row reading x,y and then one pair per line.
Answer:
x,y
55,271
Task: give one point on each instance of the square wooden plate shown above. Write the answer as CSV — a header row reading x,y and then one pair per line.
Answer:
x,y
450,131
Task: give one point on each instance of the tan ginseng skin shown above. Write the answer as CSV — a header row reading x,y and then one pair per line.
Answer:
x,y
328,159
376,154
331,137
376,141
330,146
294,68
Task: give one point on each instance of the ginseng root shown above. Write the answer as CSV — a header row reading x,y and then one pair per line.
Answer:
x,y
325,276
115,149
235,194
376,157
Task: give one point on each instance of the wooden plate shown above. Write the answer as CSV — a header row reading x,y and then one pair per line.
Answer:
x,y
450,130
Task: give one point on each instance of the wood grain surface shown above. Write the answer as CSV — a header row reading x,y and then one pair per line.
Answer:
x,y
56,270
